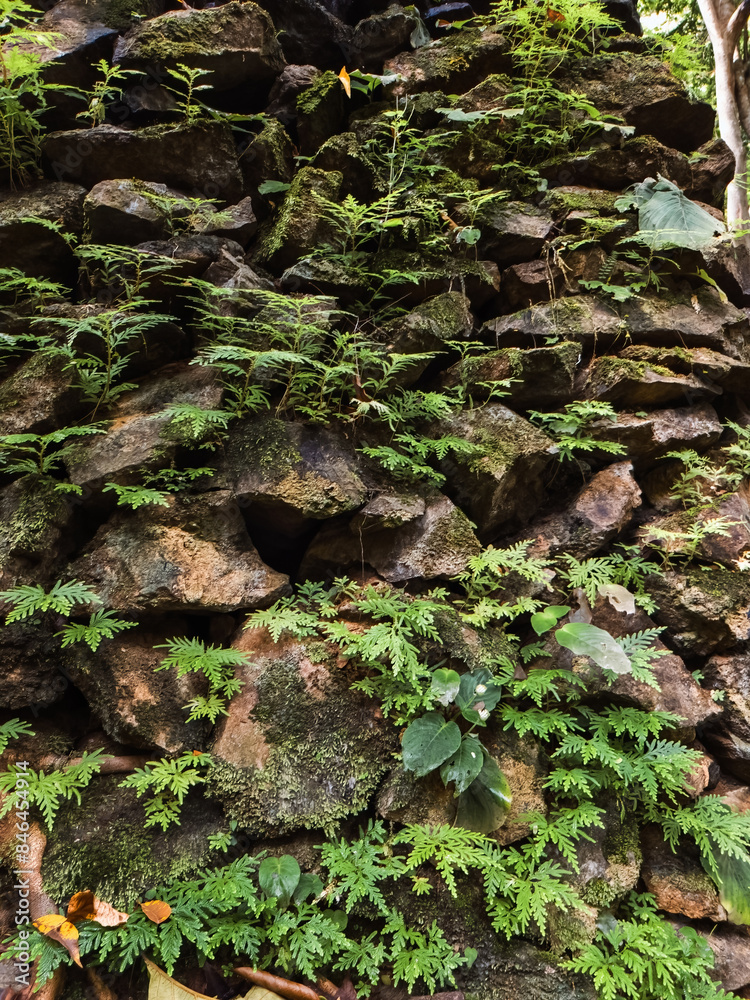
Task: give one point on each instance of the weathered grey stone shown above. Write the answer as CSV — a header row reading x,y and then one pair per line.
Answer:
x,y
288,475
639,385
200,159
427,329
513,232
192,555
383,35
437,542
505,485
35,249
647,438
453,64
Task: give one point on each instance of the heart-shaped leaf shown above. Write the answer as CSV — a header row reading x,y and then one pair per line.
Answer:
x,y
279,877
544,620
428,742
478,694
445,685
486,802
588,640
464,765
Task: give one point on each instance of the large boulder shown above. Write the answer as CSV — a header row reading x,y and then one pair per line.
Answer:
x,y
299,749
235,43
39,250
193,554
200,159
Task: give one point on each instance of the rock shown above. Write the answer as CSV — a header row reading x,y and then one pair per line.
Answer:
x,y
610,862
135,704
452,64
615,168
626,12
638,384
541,377
37,529
730,741
731,948
318,276
102,841
438,542
192,254
642,90
678,691
289,475
677,880
38,251
200,159
140,434
121,211
504,486
530,282
695,320
428,329
236,43
513,232
712,370
705,611
192,555
236,223
320,112
274,771
600,511
39,397
289,84
383,35
29,675
729,546
299,226
268,156
710,174
650,437
479,280
312,32
110,13
344,154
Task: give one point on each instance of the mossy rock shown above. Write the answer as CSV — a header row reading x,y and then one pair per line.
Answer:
x,y
299,749
299,226
103,845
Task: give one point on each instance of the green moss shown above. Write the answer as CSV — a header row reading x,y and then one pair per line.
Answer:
x,y
294,231
599,893
322,764
309,101
37,509
613,369
600,202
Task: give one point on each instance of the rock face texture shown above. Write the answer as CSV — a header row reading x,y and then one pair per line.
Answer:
x,y
374,500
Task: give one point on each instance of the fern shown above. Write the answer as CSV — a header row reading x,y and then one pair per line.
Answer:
x,y
136,496
217,665
357,867
167,782
102,625
47,792
711,824
569,428
28,599
13,729
450,849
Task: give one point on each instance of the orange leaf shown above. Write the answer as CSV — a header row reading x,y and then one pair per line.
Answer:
x,y
86,906
346,81
554,15
59,929
156,910
440,23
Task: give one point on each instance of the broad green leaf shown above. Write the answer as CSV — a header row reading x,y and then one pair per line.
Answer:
x,y
588,640
543,621
428,742
485,803
272,187
309,886
734,890
478,694
667,218
279,877
465,764
445,685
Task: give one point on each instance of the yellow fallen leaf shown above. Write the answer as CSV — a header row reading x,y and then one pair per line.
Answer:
x,y
346,81
86,906
156,910
58,928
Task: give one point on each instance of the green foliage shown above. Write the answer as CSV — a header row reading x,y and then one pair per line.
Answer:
x,y
167,782
185,87
106,88
570,428
41,454
666,218
136,496
24,94
13,729
409,460
645,958
47,792
194,425
625,568
30,599
217,665
101,625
